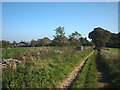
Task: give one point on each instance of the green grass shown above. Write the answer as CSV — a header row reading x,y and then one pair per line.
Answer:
x,y
87,78
115,49
10,53
110,63
42,70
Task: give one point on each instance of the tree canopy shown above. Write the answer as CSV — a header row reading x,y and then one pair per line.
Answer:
x,y
14,42
5,44
44,41
75,38
33,43
114,41
60,38
100,37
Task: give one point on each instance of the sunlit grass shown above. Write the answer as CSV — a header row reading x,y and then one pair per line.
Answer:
x,y
110,63
87,78
46,69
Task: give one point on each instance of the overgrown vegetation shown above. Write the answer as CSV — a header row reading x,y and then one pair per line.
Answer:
x,y
87,78
42,67
115,49
110,63
100,37
45,62
59,39
114,41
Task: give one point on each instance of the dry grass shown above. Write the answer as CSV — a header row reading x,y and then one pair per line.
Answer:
x,y
110,63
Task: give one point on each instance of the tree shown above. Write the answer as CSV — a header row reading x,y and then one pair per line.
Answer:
x,y
59,38
33,43
74,38
83,41
44,41
28,43
22,44
76,35
5,44
114,41
91,43
100,37
14,43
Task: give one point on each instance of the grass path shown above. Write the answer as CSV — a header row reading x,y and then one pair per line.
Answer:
x,y
102,82
67,82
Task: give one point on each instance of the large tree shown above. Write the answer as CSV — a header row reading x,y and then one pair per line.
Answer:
x,y
100,37
74,38
114,41
60,38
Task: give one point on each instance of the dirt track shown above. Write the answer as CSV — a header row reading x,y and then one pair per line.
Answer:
x,y
102,82
67,82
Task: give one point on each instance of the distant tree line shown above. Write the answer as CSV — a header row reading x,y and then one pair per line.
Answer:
x,y
100,38
59,40
114,40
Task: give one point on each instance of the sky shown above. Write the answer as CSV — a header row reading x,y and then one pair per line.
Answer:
x,y
35,20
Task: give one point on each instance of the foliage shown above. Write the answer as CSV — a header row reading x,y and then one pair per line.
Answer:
x,y
14,42
91,43
110,63
84,41
87,78
0,44
43,67
5,44
100,37
74,38
22,44
28,43
114,41
59,38
44,41
76,35
33,43
115,49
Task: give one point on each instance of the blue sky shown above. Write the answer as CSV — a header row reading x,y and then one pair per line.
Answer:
x,y
35,20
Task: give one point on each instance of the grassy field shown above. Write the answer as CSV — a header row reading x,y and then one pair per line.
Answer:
x,y
11,52
46,67
115,49
41,67
110,62
87,78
